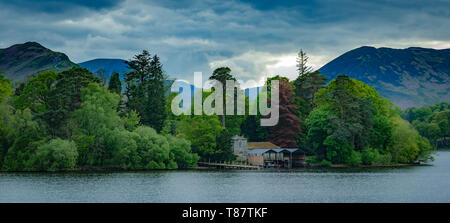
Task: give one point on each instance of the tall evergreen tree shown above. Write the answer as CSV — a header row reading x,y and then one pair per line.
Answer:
x,y
65,98
157,95
302,63
145,89
222,74
307,84
114,83
252,129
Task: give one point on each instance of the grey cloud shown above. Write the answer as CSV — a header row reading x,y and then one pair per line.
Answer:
x,y
194,36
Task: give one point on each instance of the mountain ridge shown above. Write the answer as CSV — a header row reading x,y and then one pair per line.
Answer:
x,y
108,65
20,61
410,77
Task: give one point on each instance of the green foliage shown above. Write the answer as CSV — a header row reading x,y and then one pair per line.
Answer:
x,y
96,118
145,89
36,93
83,120
308,85
338,151
52,97
202,132
406,144
58,154
224,147
22,138
5,87
324,163
252,129
222,74
105,140
302,63
351,117
171,127
369,156
131,120
180,150
115,85
432,122
152,148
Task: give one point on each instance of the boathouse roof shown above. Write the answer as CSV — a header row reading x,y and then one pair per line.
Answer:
x,y
261,145
258,152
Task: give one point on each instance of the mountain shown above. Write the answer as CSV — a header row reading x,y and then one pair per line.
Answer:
x,y
409,77
107,65
20,61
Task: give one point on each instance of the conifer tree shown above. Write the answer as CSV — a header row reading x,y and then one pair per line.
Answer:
x,y
146,90
115,85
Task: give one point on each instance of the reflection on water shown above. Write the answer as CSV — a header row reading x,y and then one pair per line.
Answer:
x,y
406,184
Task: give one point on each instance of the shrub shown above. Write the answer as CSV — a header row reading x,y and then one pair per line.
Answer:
x,y
354,159
369,156
324,163
56,155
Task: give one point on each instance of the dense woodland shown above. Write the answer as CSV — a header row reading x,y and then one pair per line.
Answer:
x,y
432,122
72,120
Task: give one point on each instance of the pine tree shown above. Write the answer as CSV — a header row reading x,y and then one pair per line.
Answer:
x,y
115,85
302,63
156,91
307,82
145,89
222,74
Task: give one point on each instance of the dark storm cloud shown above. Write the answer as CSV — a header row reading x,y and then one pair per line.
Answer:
x,y
56,6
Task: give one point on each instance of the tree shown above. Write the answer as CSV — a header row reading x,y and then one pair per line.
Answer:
x,y
180,150
146,89
114,84
319,128
252,129
37,92
224,147
202,131
95,119
58,154
222,74
157,95
153,149
307,84
5,117
24,136
353,124
284,134
65,98
405,146
431,122
302,63
5,87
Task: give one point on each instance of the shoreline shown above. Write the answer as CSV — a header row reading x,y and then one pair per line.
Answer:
x,y
310,166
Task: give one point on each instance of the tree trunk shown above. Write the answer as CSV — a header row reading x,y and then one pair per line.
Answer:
x,y
223,120
224,110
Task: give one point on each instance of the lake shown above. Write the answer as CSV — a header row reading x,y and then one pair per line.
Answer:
x,y
430,183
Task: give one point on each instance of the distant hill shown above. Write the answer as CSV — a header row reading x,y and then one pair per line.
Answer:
x,y
409,77
20,61
108,65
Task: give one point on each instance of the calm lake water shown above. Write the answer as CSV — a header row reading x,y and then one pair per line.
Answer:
x,y
405,184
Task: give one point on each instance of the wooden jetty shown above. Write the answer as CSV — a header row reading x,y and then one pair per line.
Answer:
x,y
228,166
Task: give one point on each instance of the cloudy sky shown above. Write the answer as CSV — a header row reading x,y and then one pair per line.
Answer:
x,y
254,38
